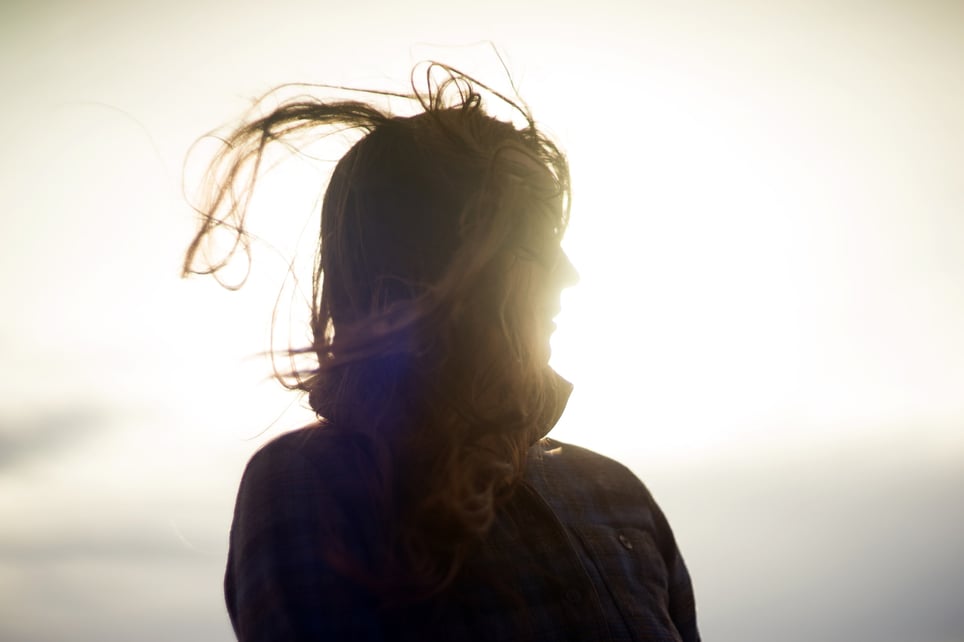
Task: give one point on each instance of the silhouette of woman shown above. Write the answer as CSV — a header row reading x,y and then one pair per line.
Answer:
x,y
426,502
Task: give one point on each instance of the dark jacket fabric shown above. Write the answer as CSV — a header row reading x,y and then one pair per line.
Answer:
x,y
580,552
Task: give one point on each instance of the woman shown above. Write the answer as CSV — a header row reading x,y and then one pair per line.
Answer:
x,y
425,503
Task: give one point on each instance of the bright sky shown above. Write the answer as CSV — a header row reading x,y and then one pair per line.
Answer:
x,y
768,220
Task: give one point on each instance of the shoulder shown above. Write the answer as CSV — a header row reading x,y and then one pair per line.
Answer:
x,y
313,453
296,513
557,461
300,476
311,443
621,528
584,486
573,456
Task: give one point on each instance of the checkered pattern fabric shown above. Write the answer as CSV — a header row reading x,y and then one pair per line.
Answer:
x,y
581,552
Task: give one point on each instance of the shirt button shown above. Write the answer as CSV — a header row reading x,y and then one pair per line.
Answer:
x,y
625,542
573,596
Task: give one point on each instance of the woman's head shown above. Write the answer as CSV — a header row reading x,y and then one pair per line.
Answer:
x,y
411,195
440,249
437,275
443,212
438,252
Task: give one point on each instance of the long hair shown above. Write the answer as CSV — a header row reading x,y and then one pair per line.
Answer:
x,y
439,232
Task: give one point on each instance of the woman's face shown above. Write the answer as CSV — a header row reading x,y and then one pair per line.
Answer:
x,y
539,269
561,275
547,271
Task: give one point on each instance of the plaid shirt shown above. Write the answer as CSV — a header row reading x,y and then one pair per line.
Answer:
x,y
584,550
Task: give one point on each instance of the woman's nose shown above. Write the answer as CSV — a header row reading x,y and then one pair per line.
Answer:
x,y
567,274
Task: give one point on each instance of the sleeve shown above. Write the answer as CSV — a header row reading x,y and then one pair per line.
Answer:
x,y
682,604
278,586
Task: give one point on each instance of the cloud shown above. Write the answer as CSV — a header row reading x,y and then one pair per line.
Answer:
x,y
33,434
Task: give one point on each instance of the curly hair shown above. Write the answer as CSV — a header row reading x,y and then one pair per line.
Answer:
x,y
434,269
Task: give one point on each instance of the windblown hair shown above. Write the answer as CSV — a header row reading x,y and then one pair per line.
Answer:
x,y
438,237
